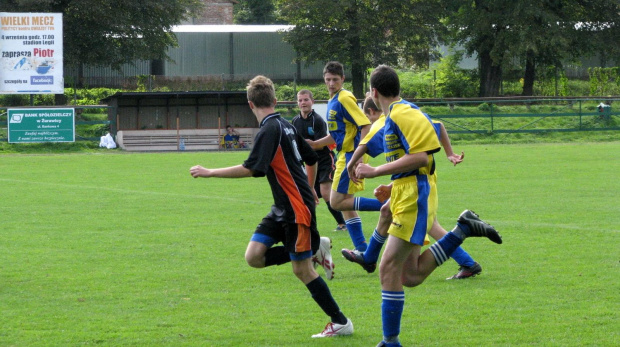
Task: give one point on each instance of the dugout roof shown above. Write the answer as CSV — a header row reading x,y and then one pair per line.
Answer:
x,y
182,110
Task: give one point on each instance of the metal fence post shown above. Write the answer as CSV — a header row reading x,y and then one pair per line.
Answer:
x,y
579,114
491,117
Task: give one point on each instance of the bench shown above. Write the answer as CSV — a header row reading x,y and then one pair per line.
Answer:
x,y
169,140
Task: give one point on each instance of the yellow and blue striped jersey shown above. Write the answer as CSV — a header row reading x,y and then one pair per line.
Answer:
x,y
344,119
374,138
408,130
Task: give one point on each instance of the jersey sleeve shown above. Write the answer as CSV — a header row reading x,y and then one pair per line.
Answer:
x,y
354,113
374,139
437,126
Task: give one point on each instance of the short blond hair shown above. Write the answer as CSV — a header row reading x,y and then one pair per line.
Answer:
x,y
306,92
261,91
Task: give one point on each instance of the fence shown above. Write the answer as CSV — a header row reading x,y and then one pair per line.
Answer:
x,y
512,115
460,116
521,115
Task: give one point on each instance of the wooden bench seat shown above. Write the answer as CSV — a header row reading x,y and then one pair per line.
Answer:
x,y
169,140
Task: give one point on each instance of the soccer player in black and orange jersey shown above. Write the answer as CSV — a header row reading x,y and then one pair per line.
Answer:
x,y
279,153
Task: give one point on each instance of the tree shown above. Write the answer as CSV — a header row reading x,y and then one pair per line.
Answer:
x,y
361,33
536,34
112,32
255,12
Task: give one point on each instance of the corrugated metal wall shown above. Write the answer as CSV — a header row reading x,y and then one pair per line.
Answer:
x,y
253,53
199,54
209,54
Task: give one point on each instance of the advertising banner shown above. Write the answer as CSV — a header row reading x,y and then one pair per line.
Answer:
x,y
31,60
41,125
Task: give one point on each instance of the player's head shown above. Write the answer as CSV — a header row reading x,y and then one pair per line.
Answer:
x,y
228,129
305,101
334,68
333,76
371,110
385,80
261,92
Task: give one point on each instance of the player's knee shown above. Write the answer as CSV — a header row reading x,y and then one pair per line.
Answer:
x,y
411,281
337,204
254,260
386,213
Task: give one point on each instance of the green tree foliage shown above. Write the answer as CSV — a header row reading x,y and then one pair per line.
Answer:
x,y
112,32
453,81
362,33
531,35
255,12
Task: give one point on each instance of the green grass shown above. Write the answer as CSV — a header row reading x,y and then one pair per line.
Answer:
x,y
126,249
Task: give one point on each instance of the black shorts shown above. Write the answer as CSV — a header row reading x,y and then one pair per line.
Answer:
x,y
295,237
325,170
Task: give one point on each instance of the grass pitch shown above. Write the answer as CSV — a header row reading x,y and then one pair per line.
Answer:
x,y
129,250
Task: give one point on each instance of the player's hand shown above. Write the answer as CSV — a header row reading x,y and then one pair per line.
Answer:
x,y
351,171
316,197
455,159
311,143
365,171
382,192
199,171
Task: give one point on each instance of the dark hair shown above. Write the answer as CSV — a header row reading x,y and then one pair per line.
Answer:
x,y
385,80
369,104
261,91
334,67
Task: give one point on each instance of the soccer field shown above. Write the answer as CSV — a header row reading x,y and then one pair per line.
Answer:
x,y
126,249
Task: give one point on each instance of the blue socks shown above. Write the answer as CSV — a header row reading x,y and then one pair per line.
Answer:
x,y
354,226
366,204
391,312
462,258
444,247
374,248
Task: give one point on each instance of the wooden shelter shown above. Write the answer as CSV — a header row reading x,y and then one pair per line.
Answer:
x,y
179,120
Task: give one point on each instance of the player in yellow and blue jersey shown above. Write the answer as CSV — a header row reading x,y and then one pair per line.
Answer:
x,y
372,144
410,139
347,124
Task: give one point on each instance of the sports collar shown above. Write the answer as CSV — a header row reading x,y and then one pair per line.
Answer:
x,y
273,115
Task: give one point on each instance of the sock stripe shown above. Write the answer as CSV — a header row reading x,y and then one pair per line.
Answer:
x,y
353,220
378,238
393,296
438,253
356,204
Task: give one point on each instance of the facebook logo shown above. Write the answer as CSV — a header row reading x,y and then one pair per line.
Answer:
x,y
39,80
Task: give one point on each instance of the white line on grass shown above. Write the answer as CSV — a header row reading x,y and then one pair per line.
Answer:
x,y
120,190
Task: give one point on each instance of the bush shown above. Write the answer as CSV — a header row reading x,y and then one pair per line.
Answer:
x,y
453,81
416,84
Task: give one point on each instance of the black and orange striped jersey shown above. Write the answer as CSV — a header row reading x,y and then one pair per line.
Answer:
x,y
279,153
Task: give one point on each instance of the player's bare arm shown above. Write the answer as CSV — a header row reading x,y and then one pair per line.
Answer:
x,y
364,129
409,162
237,171
447,147
322,142
355,159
